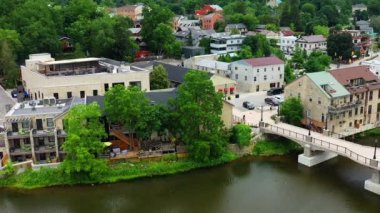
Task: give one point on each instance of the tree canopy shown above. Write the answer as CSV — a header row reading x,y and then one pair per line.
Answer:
x,y
159,78
340,46
292,110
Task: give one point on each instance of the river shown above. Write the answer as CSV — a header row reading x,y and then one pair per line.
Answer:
x,y
277,184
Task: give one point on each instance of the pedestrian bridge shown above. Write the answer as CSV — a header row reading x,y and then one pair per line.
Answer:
x,y
319,148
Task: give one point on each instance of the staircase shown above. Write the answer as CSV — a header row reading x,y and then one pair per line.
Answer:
x,y
133,144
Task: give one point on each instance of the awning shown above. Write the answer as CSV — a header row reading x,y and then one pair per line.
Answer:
x,y
18,119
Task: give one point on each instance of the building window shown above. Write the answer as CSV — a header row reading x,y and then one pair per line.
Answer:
x,y
254,78
361,110
245,77
95,92
279,68
310,99
56,96
25,124
370,95
49,122
319,101
299,95
356,111
236,76
69,94
378,107
258,70
280,76
265,69
265,77
350,113
369,109
82,94
351,98
236,68
106,87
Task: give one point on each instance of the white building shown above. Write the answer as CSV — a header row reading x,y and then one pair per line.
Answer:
x,y
374,66
258,74
42,76
214,67
288,44
313,42
223,43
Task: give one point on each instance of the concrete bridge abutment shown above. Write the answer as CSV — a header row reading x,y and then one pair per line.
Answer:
x,y
311,158
373,184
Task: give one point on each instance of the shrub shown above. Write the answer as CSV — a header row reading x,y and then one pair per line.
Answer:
x,y
8,170
169,157
200,151
241,135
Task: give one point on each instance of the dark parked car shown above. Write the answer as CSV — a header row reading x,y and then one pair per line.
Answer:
x,y
271,101
248,105
275,91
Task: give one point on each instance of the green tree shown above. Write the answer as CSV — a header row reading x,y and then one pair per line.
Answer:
x,y
292,110
127,106
197,110
373,7
375,23
289,73
245,52
154,15
164,42
159,78
259,45
298,58
241,135
8,67
12,37
83,144
340,46
317,61
321,30
205,43
219,26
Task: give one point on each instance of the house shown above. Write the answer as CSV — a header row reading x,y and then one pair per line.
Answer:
x,y
192,62
374,66
288,44
207,9
364,27
134,12
35,129
214,67
223,43
240,27
209,20
270,35
258,74
195,33
359,7
182,23
361,41
311,43
66,45
43,77
341,100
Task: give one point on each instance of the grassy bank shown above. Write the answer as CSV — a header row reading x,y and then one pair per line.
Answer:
x,y
117,172
371,133
272,147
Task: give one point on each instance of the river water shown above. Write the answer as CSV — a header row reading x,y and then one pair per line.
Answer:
x,y
277,184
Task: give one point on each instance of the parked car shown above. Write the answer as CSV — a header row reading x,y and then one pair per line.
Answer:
x,y
248,105
272,101
275,91
280,98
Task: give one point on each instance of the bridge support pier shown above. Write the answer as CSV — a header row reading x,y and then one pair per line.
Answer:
x,y
311,158
373,184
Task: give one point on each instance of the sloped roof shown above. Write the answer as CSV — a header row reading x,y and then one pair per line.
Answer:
x,y
312,39
175,73
344,75
213,64
264,61
325,78
236,26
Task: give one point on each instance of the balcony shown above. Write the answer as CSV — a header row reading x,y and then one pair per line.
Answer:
x,y
20,134
50,147
24,150
41,133
61,133
344,108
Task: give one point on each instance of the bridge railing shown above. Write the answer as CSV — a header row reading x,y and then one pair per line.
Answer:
x,y
324,145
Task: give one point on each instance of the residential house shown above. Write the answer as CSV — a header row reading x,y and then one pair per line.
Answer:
x,y
374,66
288,44
364,27
134,12
270,35
195,33
311,43
35,129
361,41
207,9
258,74
241,28
191,63
43,77
223,43
209,20
359,7
214,67
340,101
182,23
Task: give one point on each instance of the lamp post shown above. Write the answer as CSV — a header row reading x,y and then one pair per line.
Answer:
x,y
374,154
327,116
278,109
309,128
261,113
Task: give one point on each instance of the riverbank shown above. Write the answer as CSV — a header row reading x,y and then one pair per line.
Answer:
x,y
48,177
271,147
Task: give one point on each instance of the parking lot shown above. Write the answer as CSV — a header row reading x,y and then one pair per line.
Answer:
x,y
252,117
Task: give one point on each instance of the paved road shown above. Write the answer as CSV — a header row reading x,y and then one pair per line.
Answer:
x,y
357,62
4,100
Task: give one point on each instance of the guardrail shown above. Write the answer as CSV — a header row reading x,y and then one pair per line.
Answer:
x,y
344,151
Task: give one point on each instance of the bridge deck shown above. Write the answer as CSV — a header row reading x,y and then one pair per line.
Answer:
x,y
356,152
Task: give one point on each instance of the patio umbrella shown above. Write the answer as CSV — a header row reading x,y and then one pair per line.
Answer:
x,y
107,143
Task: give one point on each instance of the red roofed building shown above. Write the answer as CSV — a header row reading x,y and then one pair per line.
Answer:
x,y
208,21
258,74
206,9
